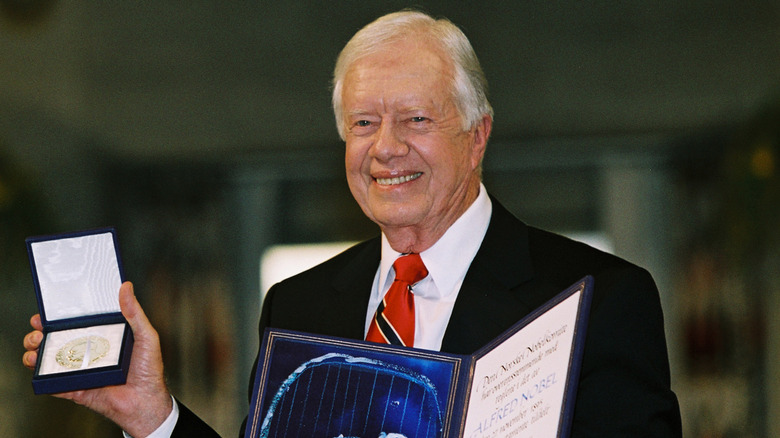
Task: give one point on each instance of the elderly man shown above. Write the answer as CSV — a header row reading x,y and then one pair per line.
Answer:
x,y
410,102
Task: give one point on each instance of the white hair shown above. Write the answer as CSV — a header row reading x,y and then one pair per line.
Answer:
x,y
469,86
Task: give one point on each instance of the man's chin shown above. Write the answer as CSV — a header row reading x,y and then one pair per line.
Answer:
x,y
396,214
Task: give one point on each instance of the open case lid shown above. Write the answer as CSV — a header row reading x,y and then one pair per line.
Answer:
x,y
76,275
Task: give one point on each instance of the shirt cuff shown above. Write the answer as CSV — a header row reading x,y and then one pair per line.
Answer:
x,y
166,428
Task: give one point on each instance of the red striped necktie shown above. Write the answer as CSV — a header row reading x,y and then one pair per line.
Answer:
x,y
393,321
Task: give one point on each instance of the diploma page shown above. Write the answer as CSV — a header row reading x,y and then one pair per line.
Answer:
x,y
524,385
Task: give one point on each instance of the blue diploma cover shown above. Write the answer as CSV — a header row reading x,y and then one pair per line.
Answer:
x,y
521,384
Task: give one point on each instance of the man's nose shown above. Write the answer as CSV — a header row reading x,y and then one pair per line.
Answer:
x,y
388,143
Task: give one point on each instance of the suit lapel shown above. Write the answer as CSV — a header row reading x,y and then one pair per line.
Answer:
x,y
491,299
353,286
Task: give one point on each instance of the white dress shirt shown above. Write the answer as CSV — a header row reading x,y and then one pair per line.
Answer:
x,y
166,429
447,262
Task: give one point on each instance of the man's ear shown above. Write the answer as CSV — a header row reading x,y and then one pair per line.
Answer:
x,y
481,135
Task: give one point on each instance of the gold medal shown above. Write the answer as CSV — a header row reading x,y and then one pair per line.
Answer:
x,y
87,348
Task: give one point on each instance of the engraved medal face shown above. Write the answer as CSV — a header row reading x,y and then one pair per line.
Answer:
x,y
83,352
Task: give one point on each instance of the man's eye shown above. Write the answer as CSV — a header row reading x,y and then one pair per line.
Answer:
x,y
419,119
363,123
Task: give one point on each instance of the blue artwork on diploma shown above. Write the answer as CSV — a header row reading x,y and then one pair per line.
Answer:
x,y
329,390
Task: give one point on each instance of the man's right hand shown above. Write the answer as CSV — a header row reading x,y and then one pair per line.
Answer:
x,y
143,402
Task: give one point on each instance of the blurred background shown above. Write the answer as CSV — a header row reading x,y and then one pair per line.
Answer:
x,y
202,130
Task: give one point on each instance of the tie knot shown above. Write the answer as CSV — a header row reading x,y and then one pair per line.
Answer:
x,y
410,268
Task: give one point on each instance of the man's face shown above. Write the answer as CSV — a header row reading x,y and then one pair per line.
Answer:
x,y
409,163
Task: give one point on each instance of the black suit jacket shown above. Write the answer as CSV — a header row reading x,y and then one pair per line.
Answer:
x,y
624,387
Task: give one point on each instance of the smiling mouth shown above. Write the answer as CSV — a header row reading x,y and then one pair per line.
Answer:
x,y
398,179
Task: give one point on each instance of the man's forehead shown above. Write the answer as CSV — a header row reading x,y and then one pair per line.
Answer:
x,y
396,75
403,57
405,92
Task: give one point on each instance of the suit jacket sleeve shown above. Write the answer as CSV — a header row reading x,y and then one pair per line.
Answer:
x,y
624,387
190,425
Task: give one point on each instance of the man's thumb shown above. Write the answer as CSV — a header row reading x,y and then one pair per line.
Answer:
x,y
131,309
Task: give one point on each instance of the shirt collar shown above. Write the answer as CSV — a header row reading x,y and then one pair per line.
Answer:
x,y
450,257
